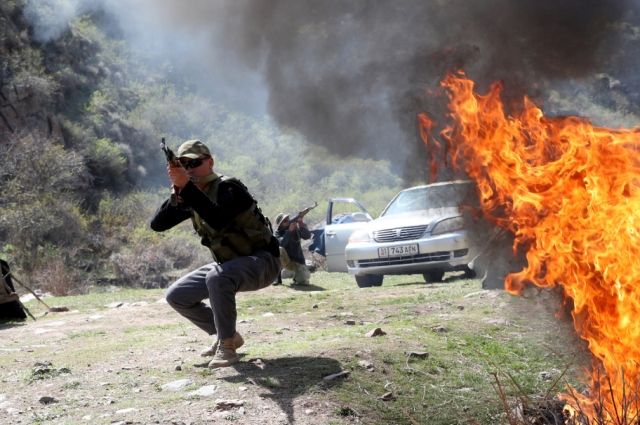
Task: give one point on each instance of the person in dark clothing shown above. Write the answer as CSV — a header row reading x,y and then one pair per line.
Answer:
x,y
290,233
230,224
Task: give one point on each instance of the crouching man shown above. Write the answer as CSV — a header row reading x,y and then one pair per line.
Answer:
x,y
246,254
290,234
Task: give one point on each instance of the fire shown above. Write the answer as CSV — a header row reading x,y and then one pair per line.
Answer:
x,y
570,193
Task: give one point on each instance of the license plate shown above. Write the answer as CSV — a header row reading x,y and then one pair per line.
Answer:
x,y
398,251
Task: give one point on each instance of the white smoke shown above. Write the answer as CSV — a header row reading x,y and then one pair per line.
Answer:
x,y
51,18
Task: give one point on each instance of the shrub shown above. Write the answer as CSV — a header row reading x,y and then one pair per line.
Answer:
x,y
152,260
108,163
51,272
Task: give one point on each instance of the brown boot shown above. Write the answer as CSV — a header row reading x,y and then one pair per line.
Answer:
x,y
225,355
210,351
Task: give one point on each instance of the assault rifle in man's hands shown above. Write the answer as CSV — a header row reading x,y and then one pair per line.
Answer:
x,y
168,153
173,161
302,213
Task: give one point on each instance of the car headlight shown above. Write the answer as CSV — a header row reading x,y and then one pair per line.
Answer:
x,y
360,236
448,225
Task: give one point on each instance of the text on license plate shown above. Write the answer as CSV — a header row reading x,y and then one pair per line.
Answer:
x,y
397,251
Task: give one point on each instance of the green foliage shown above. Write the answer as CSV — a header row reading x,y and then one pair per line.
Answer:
x,y
150,260
107,162
99,104
45,370
126,211
40,184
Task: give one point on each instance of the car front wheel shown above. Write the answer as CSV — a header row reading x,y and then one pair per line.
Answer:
x,y
433,276
469,273
369,280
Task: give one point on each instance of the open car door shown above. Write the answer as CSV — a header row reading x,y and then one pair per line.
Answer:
x,y
344,215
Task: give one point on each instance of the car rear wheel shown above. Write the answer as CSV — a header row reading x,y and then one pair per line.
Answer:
x,y
369,280
433,276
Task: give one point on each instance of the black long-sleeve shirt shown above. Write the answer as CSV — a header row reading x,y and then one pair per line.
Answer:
x,y
232,200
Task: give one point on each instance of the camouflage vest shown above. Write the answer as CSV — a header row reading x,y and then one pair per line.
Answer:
x,y
247,232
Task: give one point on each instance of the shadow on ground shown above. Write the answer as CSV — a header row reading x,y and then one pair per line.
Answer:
x,y
448,278
12,324
307,288
285,379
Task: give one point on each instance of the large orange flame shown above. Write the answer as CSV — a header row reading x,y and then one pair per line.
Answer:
x,y
570,193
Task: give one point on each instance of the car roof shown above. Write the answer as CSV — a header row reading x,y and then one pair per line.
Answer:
x,y
447,183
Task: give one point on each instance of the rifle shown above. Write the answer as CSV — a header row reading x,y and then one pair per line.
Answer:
x,y
303,212
171,159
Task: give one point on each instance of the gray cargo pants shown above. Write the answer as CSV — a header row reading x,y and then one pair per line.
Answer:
x,y
220,282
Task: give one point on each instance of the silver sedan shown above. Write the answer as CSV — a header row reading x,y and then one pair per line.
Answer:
x,y
420,231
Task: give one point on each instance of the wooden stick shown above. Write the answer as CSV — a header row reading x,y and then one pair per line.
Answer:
x,y
6,285
29,289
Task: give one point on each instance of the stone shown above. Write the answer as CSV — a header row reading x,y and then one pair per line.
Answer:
x,y
545,376
205,391
47,400
387,396
228,404
365,364
375,332
334,376
418,354
176,385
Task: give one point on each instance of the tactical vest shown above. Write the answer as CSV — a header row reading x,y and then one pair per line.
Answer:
x,y
248,232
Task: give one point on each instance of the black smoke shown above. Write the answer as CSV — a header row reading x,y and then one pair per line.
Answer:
x,y
352,75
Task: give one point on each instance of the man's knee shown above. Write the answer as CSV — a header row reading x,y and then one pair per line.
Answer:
x,y
174,297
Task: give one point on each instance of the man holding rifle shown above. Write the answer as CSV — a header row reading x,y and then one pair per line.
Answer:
x,y
290,232
230,224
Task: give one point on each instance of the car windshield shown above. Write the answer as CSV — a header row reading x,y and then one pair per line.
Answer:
x,y
426,198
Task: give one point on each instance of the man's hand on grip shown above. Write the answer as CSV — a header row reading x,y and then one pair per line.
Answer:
x,y
178,176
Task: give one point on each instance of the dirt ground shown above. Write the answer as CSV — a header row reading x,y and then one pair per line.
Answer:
x,y
102,389
137,362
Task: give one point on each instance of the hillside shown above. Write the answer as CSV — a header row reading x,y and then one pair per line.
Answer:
x,y
81,118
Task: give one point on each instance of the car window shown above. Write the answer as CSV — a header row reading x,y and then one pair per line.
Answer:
x,y
426,198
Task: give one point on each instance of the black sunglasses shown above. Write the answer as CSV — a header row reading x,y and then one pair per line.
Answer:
x,y
191,163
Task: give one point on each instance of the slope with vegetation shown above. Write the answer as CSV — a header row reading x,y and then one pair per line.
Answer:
x,y
81,117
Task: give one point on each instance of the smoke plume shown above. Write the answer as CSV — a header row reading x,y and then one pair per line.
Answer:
x,y
351,76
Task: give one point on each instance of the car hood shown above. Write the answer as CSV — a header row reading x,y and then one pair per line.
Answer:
x,y
416,218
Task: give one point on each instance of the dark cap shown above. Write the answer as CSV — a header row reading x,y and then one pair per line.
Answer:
x,y
193,149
